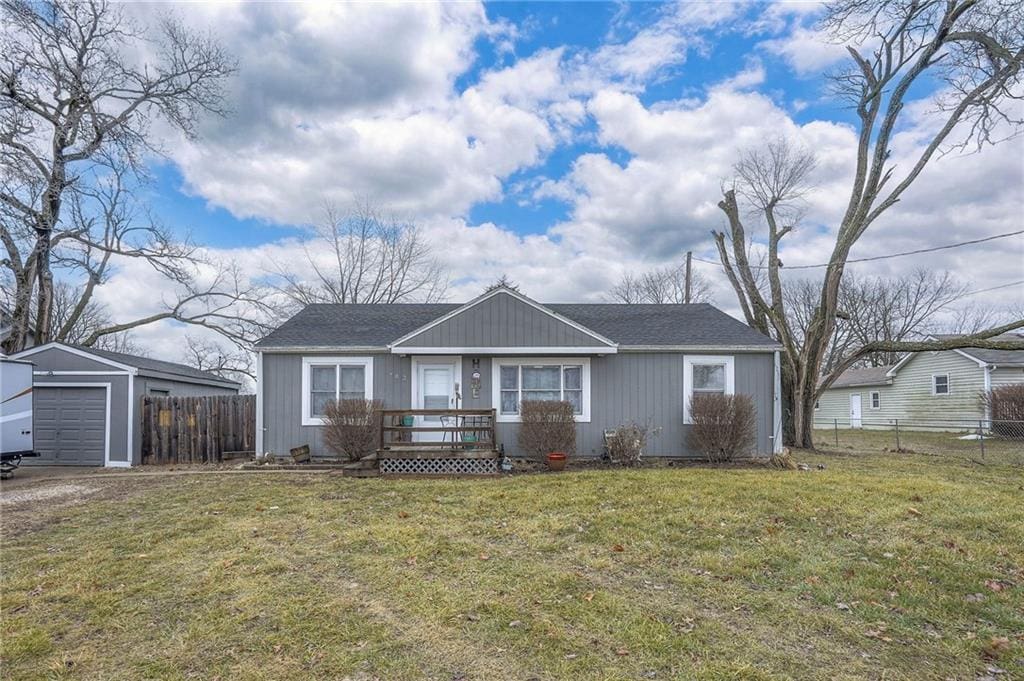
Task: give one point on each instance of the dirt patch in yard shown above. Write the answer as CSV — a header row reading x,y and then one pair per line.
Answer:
x,y
47,492
39,505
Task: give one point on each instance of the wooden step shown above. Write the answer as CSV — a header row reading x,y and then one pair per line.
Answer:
x,y
436,453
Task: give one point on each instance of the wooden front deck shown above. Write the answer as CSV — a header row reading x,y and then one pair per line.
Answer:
x,y
459,442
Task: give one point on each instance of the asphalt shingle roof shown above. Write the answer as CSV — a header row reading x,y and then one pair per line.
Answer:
x,y
865,376
360,325
998,356
150,364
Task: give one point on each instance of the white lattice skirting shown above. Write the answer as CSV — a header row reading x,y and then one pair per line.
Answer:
x,y
438,466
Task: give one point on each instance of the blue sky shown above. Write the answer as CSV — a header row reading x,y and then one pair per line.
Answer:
x,y
577,28
562,144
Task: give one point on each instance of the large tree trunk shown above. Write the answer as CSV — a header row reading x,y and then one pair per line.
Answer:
x,y
20,312
803,421
788,434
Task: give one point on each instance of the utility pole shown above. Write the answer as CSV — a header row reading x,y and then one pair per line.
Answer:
x,y
686,295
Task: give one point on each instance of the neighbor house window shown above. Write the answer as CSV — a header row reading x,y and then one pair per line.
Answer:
x,y
327,379
706,375
876,400
940,384
556,380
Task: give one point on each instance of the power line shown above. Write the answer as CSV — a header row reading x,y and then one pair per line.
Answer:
x,y
994,288
884,257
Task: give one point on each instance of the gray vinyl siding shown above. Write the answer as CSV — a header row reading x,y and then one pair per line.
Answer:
x,y
55,359
282,398
502,322
1007,376
910,397
625,387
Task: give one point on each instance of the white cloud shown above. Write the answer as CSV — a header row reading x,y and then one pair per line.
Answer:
x,y
808,51
325,112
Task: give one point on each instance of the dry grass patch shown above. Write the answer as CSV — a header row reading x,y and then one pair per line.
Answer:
x,y
873,567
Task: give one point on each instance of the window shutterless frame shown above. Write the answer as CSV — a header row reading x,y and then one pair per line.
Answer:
x,y
519,362
941,381
690,361
308,363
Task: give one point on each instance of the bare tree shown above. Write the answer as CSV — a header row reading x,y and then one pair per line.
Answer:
x,y
75,101
876,308
975,50
78,322
504,281
205,354
975,318
661,286
363,255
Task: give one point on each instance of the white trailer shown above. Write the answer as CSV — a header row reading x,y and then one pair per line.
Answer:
x,y
15,414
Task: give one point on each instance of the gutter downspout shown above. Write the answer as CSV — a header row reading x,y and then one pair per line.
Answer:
x,y
259,403
777,407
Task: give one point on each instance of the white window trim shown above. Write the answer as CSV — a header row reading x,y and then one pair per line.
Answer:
x,y
949,386
689,361
499,362
307,362
871,399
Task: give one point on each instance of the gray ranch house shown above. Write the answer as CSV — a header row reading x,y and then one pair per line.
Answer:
x,y
87,402
615,363
939,390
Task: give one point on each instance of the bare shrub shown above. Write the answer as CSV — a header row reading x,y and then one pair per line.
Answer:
x,y
546,427
627,443
1005,407
724,426
352,427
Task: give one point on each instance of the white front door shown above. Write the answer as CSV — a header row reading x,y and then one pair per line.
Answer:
x,y
436,388
855,411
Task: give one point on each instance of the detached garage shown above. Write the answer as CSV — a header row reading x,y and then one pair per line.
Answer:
x,y
86,401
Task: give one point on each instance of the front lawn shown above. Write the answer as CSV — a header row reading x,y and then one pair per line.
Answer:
x,y
872,568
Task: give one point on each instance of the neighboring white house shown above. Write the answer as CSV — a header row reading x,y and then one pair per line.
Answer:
x,y
937,390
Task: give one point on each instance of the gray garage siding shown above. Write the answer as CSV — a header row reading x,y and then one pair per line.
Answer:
x,y
118,404
501,322
55,359
624,387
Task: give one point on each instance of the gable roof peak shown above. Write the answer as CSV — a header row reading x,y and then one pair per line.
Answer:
x,y
516,295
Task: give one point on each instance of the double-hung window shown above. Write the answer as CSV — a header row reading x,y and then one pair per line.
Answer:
x,y
940,384
706,375
876,399
328,379
556,380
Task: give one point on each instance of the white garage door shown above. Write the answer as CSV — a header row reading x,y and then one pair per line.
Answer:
x,y
70,425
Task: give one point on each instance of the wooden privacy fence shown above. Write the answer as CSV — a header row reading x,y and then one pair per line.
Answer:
x,y
197,429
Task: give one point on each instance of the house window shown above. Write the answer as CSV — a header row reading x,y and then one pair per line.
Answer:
x,y
326,379
566,380
706,374
817,405
876,400
940,384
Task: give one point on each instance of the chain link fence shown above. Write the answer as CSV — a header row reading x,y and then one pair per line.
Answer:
x,y
996,441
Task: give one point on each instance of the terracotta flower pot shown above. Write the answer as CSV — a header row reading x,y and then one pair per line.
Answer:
x,y
556,461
